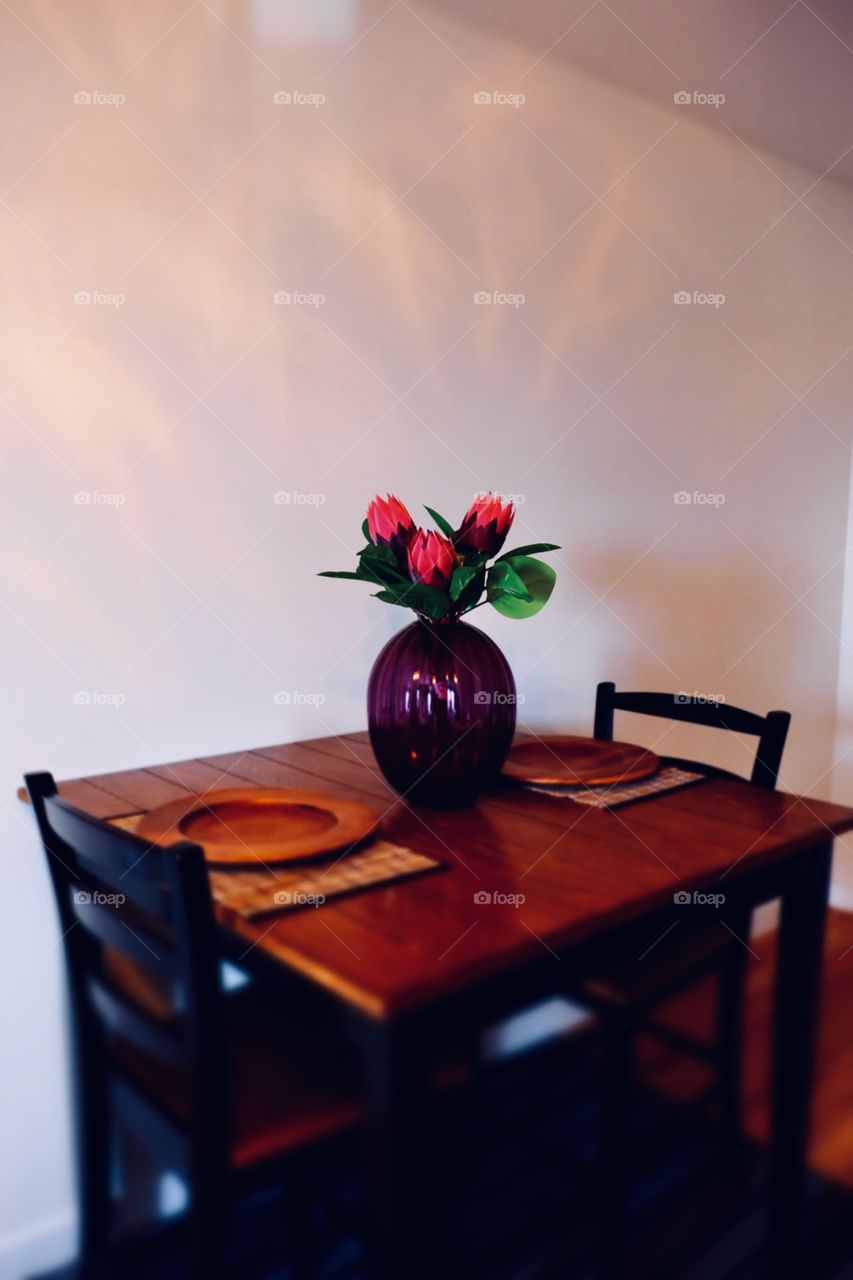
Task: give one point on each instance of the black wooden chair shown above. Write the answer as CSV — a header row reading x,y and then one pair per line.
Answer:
x,y
206,1090
627,994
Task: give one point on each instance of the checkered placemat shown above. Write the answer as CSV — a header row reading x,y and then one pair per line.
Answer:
x,y
257,893
252,892
667,779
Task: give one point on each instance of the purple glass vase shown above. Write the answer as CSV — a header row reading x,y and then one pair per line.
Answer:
x,y
441,712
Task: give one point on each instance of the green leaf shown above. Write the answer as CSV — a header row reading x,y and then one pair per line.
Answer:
x,y
505,603
388,578
417,596
530,550
462,576
365,529
390,597
343,573
475,587
381,564
374,552
538,579
504,579
444,525
428,600
393,593
379,576
466,586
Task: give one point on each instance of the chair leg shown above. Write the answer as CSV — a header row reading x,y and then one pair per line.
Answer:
x,y
207,1228
138,1175
304,1178
618,1101
730,1008
93,1181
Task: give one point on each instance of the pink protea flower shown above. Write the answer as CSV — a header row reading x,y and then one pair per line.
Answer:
x,y
431,559
485,526
390,524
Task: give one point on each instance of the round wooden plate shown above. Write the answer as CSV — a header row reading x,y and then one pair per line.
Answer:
x,y
571,762
242,825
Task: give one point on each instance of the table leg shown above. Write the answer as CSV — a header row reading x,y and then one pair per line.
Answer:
x,y
402,1175
799,962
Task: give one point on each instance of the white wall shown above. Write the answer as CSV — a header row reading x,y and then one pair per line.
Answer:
x,y
199,398
842,774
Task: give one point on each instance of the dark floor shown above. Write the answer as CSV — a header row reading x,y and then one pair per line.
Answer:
x,y
530,1212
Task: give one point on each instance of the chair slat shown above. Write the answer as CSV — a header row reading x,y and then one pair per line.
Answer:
x,y
127,1022
106,923
113,857
125,875
718,715
163,1137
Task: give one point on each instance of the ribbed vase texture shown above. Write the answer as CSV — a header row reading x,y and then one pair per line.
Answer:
x,y
441,712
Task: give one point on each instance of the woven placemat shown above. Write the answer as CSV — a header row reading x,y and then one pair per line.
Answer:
x,y
610,797
257,893
262,892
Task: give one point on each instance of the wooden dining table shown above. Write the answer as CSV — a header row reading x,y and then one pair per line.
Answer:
x,y
531,889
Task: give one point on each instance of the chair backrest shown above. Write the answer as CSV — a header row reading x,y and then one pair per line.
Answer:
x,y
771,730
119,896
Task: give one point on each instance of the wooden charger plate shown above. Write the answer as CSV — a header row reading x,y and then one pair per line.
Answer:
x,y
242,825
572,762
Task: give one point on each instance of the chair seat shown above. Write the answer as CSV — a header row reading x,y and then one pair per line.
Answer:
x,y
676,960
288,1090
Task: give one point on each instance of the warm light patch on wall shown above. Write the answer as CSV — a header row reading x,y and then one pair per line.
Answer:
x,y
321,21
